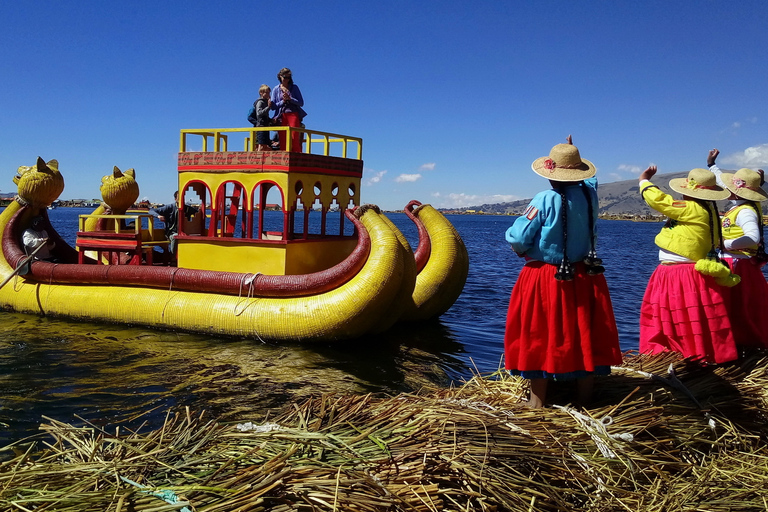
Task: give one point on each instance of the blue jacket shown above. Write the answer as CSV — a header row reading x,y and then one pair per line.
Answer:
x,y
538,233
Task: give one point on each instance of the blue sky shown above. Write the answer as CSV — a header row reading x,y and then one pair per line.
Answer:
x,y
453,100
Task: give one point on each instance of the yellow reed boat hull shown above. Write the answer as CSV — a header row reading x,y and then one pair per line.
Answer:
x,y
349,311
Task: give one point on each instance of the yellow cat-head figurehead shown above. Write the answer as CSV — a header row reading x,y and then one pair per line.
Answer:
x,y
120,190
41,184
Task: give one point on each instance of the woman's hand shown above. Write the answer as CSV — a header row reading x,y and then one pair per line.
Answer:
x,y
712,156
648,173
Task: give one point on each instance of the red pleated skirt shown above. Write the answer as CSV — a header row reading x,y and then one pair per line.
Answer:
x,y
560,329
746,305
684,311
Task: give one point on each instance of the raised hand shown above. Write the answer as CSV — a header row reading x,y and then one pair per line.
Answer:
x,y
648,173
712,156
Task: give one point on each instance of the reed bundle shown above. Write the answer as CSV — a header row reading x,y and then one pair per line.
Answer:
x,y
665,434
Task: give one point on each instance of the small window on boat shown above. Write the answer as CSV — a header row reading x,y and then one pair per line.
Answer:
x,y
270,218
228,215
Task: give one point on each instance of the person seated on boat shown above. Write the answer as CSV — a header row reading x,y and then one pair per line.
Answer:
x,y
36,236
288,102
560,323
169,214
684,308
259,117
743,250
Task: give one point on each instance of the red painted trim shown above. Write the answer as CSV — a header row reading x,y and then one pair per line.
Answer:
x,y
270,168
203,281
424,250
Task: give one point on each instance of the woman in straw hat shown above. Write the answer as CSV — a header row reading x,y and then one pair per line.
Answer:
x,y
684,306
744,250
560,323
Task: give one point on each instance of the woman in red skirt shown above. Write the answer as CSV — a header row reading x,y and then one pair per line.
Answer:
x,y
744,251
684,308
560,323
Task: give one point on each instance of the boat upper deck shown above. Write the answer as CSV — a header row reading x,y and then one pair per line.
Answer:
x,y
321,152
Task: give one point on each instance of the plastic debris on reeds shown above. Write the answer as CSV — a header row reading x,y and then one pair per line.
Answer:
x,y
664,434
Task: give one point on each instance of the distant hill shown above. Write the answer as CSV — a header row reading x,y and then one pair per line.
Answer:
x,y
617,199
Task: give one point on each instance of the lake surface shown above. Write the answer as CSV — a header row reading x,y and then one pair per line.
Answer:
x,y
110,373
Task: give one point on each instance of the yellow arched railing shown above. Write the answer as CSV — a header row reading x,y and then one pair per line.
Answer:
x,y
326,142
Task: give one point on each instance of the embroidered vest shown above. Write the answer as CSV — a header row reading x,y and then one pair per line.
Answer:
x,y
732,231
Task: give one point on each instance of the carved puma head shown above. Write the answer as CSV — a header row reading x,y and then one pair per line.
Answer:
x,y
120,190
40,184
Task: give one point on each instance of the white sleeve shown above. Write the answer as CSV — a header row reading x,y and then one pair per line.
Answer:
x,y
31,239
717,172
747,221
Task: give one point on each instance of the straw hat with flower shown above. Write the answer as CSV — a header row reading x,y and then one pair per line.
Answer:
x,y
564,163
700,184
745,183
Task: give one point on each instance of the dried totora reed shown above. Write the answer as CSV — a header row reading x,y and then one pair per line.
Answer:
x,y
664,434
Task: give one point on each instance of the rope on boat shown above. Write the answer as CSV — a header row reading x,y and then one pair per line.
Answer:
x,y
170,289
247,279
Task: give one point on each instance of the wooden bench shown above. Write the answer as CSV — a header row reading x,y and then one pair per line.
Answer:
x,y
112,244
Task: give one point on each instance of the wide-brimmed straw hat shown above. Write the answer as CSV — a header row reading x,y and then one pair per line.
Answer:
x,y
700,184
564,163
745,183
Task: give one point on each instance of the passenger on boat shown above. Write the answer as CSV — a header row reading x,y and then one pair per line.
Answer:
x,y
287,101
560,323
169,214
744,251
684,308
259,117
35,236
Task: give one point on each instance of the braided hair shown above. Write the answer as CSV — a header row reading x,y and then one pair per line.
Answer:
x,y
565,272
710,206
594,264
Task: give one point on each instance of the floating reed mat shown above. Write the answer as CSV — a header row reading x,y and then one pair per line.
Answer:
x,y
664,434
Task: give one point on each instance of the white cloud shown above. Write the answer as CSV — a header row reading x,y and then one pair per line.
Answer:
x,y
407,177
373,177
427,167
736,125
462,200
753,157
629,169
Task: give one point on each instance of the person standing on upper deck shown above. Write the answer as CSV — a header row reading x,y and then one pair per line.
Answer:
x,y
287,101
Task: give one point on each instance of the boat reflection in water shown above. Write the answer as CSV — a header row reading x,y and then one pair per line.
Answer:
x,y
111,374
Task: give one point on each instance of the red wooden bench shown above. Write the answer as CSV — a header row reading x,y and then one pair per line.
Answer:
x,y
111,244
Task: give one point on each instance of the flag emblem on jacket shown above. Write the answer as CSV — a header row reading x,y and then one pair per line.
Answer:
x,y
531,212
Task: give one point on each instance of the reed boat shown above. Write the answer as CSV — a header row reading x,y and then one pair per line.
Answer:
x,y
278,247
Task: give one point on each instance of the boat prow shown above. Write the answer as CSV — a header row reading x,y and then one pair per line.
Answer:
x,y
442,264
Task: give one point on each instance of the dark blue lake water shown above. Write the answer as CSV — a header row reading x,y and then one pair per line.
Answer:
x,y
108,373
